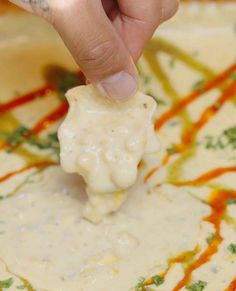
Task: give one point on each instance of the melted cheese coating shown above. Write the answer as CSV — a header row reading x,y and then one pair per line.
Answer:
x,y
104,142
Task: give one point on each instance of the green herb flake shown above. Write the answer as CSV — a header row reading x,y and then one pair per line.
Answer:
x,y
233,76
6,283
231,201
199,85
172,62
232,248
21,287
227,139
211,238
230,135
140,285
17,136
157,280
53,136
159,101
145,78
198,286
172,149
234,28
66,81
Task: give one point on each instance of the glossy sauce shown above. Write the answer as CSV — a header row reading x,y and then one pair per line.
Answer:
x,y
232,286
193,96
218,199
24,99
218,205
41,165
189,136
204,178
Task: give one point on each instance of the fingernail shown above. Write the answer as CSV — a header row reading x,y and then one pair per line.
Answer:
x,y
118,87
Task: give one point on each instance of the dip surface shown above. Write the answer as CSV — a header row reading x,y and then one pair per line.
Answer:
x,y
177,227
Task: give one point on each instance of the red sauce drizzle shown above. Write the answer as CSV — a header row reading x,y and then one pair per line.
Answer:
x,y
193,96
189,136
207,115
182,258
207,176
232,286
39,93
218,207
45,122
40,165
52,117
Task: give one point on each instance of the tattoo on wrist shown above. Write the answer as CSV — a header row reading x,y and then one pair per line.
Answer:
x,y
42,4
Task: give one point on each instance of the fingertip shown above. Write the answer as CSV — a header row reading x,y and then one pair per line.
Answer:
x,y
118,87
169,9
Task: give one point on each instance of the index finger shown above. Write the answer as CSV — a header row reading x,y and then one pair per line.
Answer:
x,y
138,19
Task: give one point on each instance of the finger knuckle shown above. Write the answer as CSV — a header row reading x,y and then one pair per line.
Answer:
x,y
100,56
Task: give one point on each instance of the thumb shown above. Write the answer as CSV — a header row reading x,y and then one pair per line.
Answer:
x,y
93,42
96,46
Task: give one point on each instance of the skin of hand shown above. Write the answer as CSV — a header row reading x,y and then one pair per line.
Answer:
x,y
105,37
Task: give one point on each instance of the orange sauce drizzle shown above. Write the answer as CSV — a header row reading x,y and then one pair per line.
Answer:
x,y
218,207
207,176
39,93
193,96
45,122
189,136
232,286
207,115
26,168
218,199
52,117
182,258
149,174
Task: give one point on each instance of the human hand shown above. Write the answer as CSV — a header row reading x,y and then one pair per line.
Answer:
x,y
105,37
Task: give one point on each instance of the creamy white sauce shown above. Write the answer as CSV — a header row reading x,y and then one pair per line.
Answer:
x,y
43,236
104,142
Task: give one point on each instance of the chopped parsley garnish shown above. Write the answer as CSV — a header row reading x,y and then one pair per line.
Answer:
x,y
211,238
145,78
230,134
6,283
157,280
196,53
50,143
21,135
17,136
62,78
159,102
232,248
231,201
157,99
172,62
140,285
53,137
199,85
233,76
198,286
227,139
21,287
172,149
66,81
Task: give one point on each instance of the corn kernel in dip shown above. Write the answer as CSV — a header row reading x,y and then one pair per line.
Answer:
x,y
104,142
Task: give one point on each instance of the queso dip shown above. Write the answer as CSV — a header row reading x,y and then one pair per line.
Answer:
x,y
177,228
